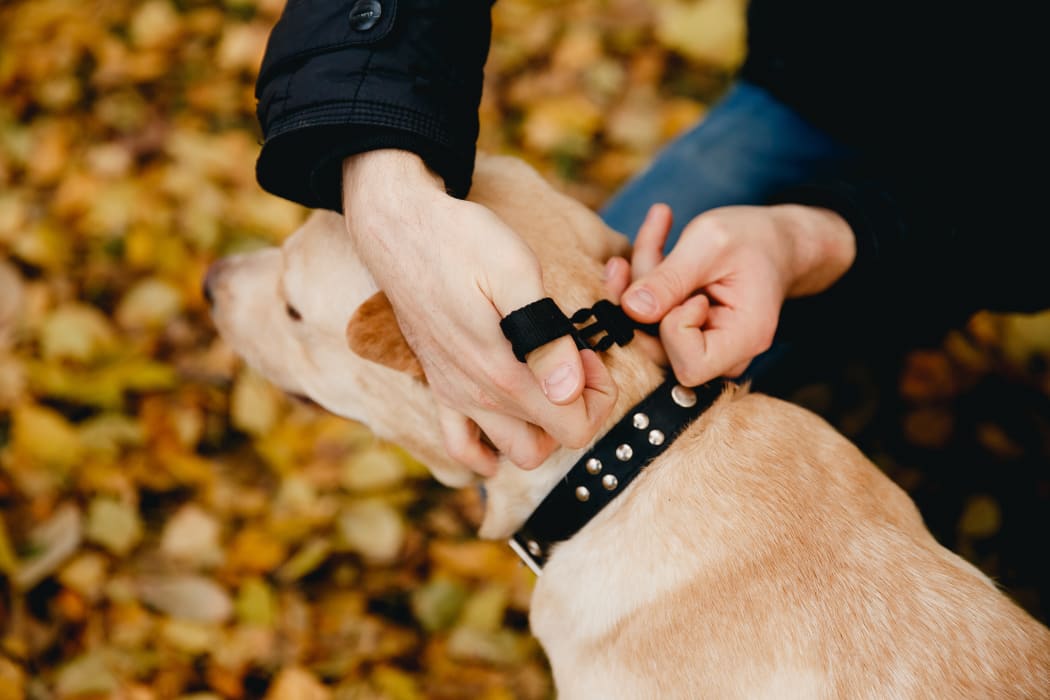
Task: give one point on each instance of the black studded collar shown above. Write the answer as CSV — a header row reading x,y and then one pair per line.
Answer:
x,y
605,470
618,457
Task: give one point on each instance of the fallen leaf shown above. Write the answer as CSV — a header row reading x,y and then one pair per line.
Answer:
x,y
113,524
294,683
710,32
191,538
373,529
149,304
254,403
76,332
50,544
89,674
187,596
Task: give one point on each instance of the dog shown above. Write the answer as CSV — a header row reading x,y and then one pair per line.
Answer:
x,y
761,556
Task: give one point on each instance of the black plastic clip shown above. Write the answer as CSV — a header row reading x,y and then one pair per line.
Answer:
x,y
542,321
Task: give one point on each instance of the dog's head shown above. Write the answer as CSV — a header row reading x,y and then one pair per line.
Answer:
x,y
309,317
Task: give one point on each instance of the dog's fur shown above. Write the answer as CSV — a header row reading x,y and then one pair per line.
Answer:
x,y
762,556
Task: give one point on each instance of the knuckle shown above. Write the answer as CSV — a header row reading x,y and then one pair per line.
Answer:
x,y
764,339
507,380
717,235
529,456
689,373
575,438
458,449
483,399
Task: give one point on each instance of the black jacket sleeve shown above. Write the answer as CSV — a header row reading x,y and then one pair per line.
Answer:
x,y
346,76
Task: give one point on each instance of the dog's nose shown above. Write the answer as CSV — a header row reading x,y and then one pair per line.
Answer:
x,y
207,286
206,291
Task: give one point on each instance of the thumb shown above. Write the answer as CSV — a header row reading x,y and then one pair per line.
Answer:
x,y
558,369
669,284
556,366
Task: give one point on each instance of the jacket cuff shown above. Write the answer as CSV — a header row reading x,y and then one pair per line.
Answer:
x,y
322,149
327,91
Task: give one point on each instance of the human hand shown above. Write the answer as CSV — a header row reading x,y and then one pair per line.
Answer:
x,y
451,270
719,292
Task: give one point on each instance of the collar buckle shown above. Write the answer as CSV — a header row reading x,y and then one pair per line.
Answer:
x,y
525,557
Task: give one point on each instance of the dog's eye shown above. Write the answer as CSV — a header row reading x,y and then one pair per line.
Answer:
x,y
293,313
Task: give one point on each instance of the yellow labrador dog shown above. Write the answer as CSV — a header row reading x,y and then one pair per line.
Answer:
x,y
761,556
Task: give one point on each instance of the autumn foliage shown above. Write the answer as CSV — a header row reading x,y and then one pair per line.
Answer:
x,y
171,525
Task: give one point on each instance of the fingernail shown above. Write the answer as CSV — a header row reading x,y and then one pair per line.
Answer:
x,y
560,383
609,267
641,301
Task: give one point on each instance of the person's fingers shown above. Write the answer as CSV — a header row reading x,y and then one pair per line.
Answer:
x,y
462,438
617,277
731,339
674,280
599,393
684,341
524,444
737,370
649,243
557,367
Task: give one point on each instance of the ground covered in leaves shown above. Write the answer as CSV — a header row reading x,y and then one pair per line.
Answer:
x,y
170,525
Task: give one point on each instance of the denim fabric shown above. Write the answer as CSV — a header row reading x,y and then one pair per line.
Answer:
x,y
747,148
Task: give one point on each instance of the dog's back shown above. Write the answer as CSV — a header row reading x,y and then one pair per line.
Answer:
x,y
765,556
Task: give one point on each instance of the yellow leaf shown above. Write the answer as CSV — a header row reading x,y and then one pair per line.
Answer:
x,y
255,551
11,300
294,683
44,436
8,560
155,25
710,32
149,304
114,525
255,404
395,683
373,529
43,246
564,124
76,332
373,470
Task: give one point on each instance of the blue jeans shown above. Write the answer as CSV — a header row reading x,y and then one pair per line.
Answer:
x,y
747,148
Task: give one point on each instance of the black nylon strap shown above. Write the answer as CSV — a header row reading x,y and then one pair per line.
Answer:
x,y
534,325
540,322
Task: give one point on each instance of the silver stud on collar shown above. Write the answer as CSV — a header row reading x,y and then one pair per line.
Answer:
x,y
582,493
683,396
534,548
624,453
593,466
609,481
656,437
640,421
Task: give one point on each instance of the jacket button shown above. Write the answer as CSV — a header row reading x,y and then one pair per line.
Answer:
x,y
364,14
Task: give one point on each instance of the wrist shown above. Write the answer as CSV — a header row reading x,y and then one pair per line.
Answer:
x,y
823,247
379,183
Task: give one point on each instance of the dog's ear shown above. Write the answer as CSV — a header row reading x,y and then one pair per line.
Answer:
x,y
374,335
